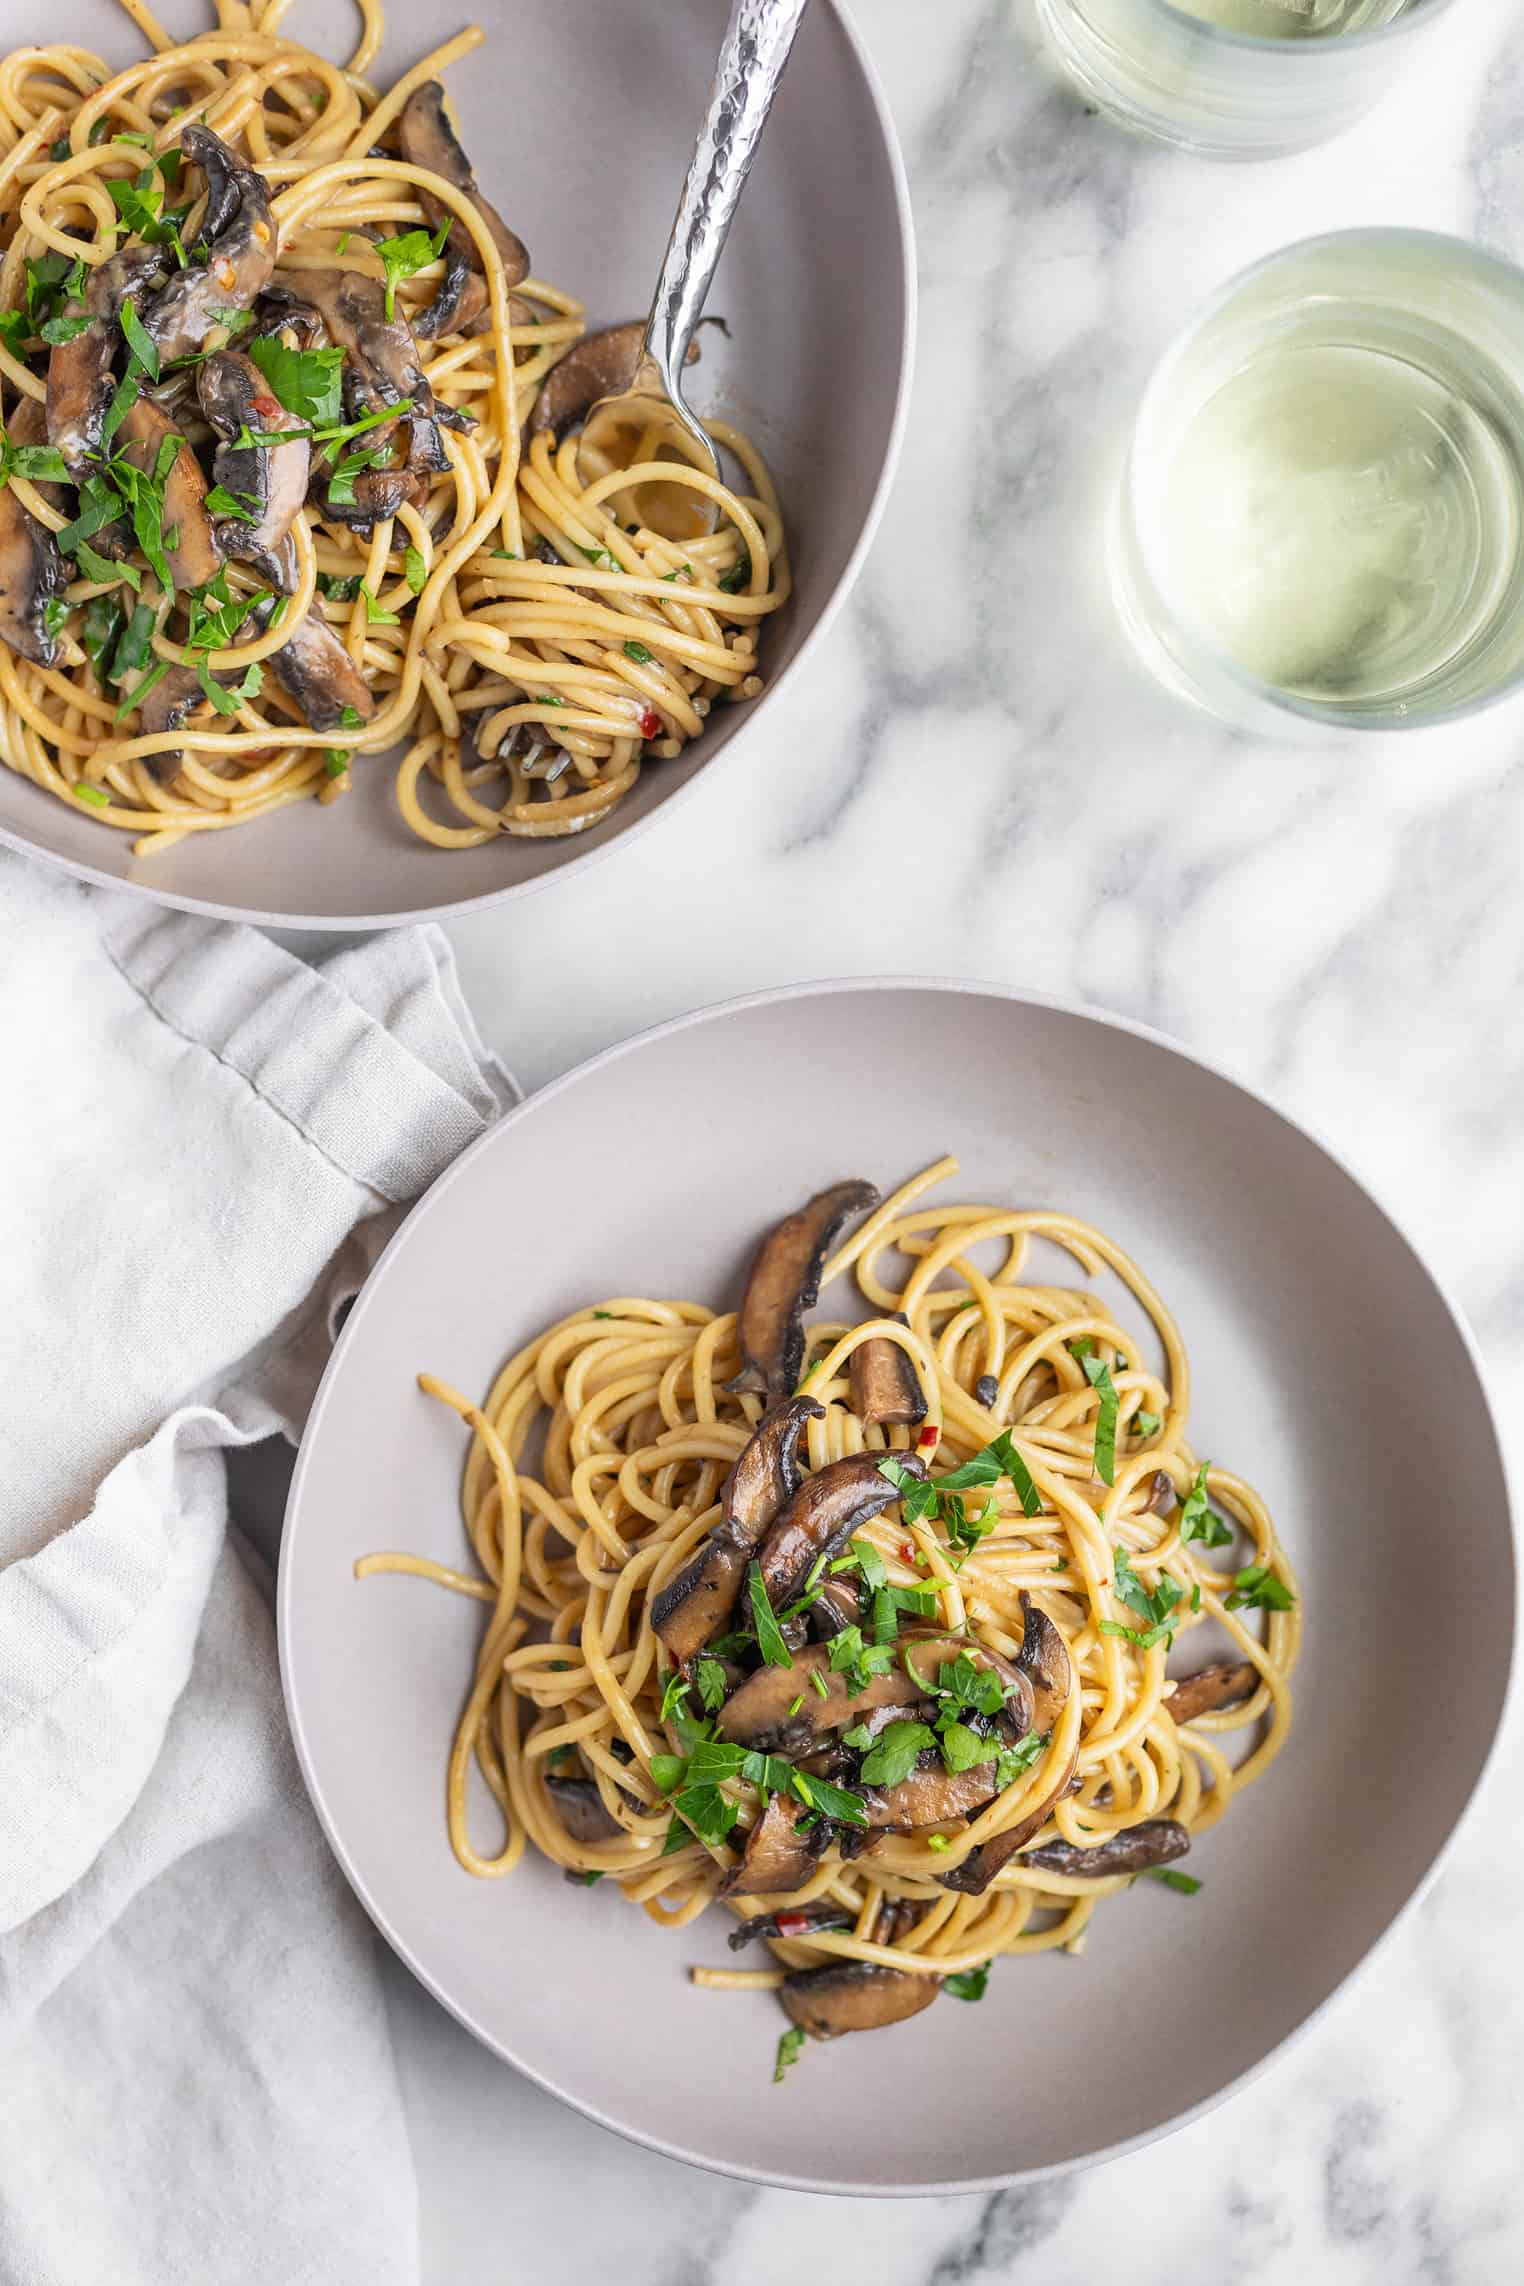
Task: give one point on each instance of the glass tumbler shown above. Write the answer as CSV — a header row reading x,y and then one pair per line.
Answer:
x,y
1237,79
1322,516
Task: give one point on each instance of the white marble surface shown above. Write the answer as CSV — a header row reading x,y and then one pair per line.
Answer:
x,y
971,778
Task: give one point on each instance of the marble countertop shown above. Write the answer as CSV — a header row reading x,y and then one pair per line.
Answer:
x,y
1338,922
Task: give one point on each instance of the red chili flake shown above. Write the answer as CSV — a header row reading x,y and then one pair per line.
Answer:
x,y
268,408
650,723
793,1924
929,1439
907,1551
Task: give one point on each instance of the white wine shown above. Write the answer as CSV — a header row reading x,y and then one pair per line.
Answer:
x,y
1238,79
1294,19
1325,501
1345,522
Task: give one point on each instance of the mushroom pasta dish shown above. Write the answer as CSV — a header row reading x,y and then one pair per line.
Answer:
x,y
290,467
867,1628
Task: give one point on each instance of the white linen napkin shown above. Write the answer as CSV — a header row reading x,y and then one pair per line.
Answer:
x,y
203,1144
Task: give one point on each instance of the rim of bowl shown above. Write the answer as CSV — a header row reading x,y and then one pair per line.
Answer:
x,y
359,924
972,988
1350,720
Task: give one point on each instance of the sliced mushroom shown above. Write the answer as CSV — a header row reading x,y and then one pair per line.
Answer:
x,y
237,238
31,573
1162,1496
313,666
788,1922
784,1282
169,706
601,365
270,480
460,301
1156,1842
697,1605
930,1794
854,1996
579,1806
837,1605
885,1385
190,544
382,365
986,1390
779,1857
827,1509
1043,1663
429,140
758,1713
81,382
1226,1684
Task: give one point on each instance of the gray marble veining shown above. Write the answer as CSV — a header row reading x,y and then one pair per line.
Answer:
x,y
973,778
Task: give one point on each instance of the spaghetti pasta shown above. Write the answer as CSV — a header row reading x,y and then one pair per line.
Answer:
x,y
523,639
642,1714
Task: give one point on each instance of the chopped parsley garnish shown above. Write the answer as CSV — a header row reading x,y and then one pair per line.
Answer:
x,y
738,576
1198,1521
54,612
1185,1883
858,1661
968,1984
103,623
374,615
821,1686
350,718
240,505
831,1801
938,1499
131,653
1146,1424
1082,1348
1153,1605
402,257
143,349
962,1748
308,382
709,1677
789,2045
128,391
40,464
795,1704
638,652
415,570
343,588
1258,1587
1013,1762
1099,1378
769,1635
229,701
894,1753
336,761
95,796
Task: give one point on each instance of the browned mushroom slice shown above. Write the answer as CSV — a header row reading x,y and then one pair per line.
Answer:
x,y
778,1858
313,666
1226,1684
579,1806
190,544
269,481
1156,1842
1162,1496
383,366
837,1605
601,365
456,307
931,1794
31,573
429,140
1044,1665
696,1606
789,1921
854,1996
175,697
824,1513
784,1281
758,1713
80,378
237,239
885,1385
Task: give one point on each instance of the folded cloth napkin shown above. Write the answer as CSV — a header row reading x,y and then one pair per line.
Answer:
x,y
203,1143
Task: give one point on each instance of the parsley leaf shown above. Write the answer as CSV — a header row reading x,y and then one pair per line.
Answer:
x,y
1197,1519
893,1755
416,570
1099,1378
143,349
402,257
1185,1883
968,1984
1257,1586
221,502
1146,1424
962,1748
789,2045
336,762
709,1676
769,1636
638,652
1013,1762
308,382
831,1801
674,1691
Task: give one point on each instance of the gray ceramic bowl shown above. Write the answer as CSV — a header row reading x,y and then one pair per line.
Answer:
x,y
818,286
1328,1368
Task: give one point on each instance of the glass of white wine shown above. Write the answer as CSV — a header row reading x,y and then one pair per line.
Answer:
x,y
1237,79
1322,518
